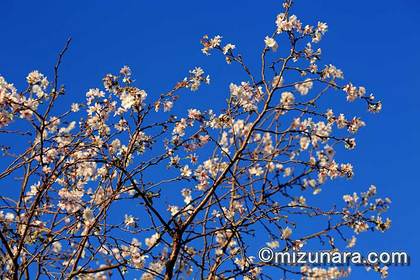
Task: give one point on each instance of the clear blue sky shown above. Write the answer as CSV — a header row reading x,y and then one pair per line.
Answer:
x,y
376,43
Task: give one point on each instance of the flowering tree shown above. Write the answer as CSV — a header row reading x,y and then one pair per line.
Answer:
x,y
197,188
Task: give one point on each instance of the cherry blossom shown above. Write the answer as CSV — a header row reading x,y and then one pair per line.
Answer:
x,y
203,187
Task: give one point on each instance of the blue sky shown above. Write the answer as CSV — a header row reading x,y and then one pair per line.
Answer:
x,y
374,42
